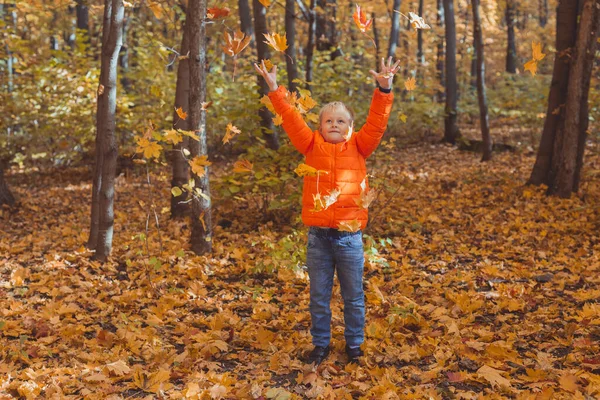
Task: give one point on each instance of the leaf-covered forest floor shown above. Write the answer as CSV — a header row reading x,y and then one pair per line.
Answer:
x,y
486,288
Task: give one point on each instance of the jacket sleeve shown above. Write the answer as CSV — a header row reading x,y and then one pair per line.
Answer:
x,y
369,136
300,134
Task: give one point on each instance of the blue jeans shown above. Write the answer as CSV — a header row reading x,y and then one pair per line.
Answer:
x,y
330,250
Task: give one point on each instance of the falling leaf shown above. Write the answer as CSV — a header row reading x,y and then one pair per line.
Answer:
x,y
361,20
236,44
277,42
531,66
150,149
322,203
242,166
493,376
205,105
366,197
402,117
278,120
182,114
305,104
417,22
176,191
267,102
230,133
173,136
536,50
349,226
268,64
199,164
304,170
190,134
156,9
410,83
216,12
265,3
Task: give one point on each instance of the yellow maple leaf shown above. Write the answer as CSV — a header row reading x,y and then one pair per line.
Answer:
x,y
182,114
349,226
305,103
190,134
150,149
410,83
156,9
117,368
234,45
243,166
536,50
278,120
265,3
173,136
402,117
277,42
268,64
230,133
199,164
531,66
267,102
304,170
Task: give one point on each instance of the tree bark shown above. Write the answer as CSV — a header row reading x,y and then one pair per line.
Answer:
x,y
566,28
440,51
451,132
481,96
376,39
395,30
310,46
6,196
245,18
290,31
511,48
576,112
124,56
9,17
201,236
83,16
180,167
543,12
420,54
262,51
112,35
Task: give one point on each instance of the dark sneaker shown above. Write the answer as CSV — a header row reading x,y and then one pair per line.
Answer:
x,y
317,355
354,354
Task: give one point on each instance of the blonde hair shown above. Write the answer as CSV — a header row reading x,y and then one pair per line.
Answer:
x,y
333,105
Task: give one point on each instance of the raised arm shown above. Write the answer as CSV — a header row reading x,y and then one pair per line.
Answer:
x,y
369,136
300,134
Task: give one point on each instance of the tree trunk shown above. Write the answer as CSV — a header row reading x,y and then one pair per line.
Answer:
x,y
310,46
566,29
420,54
440,51
201,236
451,132
181,173
376,39
6,196
9,17
395,30
104,185
262,51
83,16
483,109
511,48
290,31
124,56
543,12
245,18
571,141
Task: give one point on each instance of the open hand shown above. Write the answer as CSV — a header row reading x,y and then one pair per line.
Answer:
x,y
270,76
386,76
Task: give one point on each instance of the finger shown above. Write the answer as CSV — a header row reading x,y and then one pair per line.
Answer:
x,y
396,65
375,74
382,64
274,69
257,68
390,62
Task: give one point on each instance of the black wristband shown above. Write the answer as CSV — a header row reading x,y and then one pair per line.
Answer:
x,y
388,90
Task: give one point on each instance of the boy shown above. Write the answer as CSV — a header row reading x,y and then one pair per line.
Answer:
x,y
332,205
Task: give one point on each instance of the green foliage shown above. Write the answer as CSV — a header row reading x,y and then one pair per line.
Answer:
x,y
288,252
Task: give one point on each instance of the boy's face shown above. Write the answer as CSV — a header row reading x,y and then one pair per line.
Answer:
x,y
336,124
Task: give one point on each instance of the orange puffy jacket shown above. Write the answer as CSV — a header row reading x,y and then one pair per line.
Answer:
x,y
342,165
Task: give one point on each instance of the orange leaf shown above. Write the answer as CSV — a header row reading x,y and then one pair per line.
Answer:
x,y
568,382
304,169
156,9
230,133
234,45
531,66
243,166
173,136
182,114
536,51
410,84
198,165
205,105
361,19
216,12
349,226
265,3
277,42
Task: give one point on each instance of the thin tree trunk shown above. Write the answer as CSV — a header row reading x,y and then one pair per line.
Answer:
x,y
108,96
124,56
290,31
9,17
6,196
83,16
451,132
483,109
201,236
310,46
395,30
511,48
245,18
262,51
577,97
181,173
376,39
543,12
420,54
440,51
566,28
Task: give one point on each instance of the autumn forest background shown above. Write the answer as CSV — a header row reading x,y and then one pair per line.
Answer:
x,y
150,236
